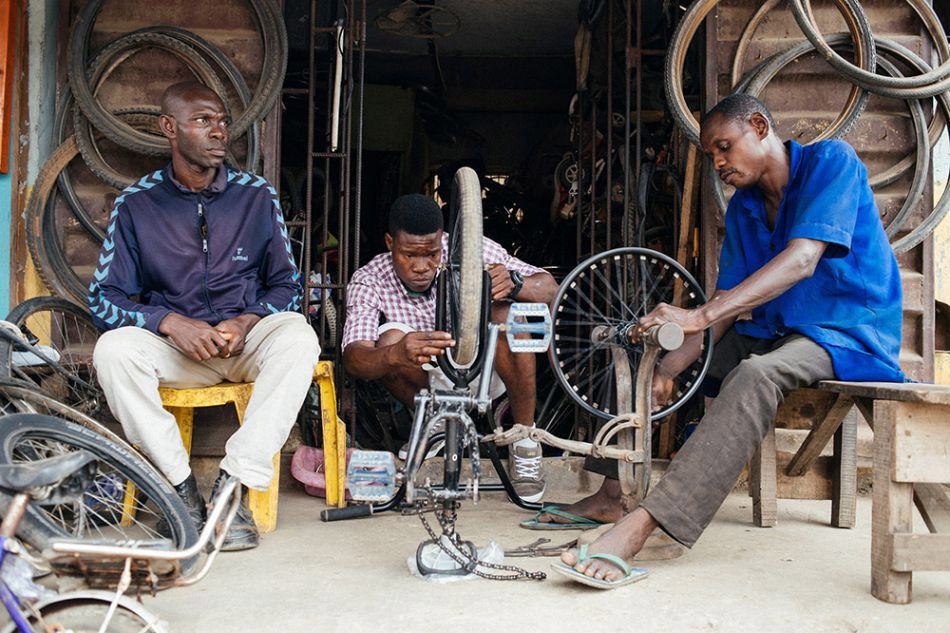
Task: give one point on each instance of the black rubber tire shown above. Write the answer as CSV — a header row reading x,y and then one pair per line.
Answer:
x,y
116,53
568,345
38,528
756,84
22,396
82,614
70,330
273,68
686,29
465,265
50,264
928,84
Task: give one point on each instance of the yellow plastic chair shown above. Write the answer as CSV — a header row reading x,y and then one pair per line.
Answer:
x,y
334,436
182,404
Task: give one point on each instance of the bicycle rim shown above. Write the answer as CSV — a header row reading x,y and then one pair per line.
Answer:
x,y
595,308
68,330
126,499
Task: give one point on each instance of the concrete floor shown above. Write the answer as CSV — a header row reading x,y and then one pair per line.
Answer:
x,y
802,576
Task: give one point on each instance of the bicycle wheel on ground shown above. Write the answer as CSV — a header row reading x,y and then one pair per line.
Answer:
x,y
598,305
67,330
464,265
126,500
86,612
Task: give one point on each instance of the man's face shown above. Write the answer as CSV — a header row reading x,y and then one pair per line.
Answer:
x,y
200,130
416,258
736,148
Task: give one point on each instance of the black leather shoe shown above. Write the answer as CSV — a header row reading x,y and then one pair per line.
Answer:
x,y
195,504
243,532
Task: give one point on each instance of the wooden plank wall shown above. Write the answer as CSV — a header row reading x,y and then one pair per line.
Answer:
x,y
805,97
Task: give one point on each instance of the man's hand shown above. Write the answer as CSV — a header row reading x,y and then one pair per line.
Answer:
x,y
235,332
501,284
196,339
692,321
417,348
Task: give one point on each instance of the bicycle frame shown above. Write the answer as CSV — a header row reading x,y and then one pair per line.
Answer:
x,y
91,555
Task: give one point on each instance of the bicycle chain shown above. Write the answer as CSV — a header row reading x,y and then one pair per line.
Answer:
x,y
473,564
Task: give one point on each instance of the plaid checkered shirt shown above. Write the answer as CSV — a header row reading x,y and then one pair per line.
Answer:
x,y
375,295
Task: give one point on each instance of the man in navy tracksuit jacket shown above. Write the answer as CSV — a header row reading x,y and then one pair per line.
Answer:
x,y
195,285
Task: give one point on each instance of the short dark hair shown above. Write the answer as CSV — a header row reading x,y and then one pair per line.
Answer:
x,y
414,214
740,107
176,93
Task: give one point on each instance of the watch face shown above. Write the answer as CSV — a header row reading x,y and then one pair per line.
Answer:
x,y
516,277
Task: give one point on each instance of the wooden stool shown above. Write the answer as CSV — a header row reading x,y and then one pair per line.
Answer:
x,y
806,475
182,404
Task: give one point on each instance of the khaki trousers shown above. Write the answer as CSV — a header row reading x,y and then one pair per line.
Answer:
x,y
279,356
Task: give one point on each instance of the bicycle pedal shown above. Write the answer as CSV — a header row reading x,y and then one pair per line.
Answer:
x,y
371,475
533,319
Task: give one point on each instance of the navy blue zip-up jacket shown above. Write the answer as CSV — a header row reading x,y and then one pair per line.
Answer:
x,y
209,255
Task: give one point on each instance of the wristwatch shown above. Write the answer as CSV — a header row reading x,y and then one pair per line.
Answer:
x,y
518,280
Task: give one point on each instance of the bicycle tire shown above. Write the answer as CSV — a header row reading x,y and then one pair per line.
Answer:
x,y
465,265
928,84
85,612
49,268
21,396
581,360
883,179
273,68
683,35
27,436
113,55
756,85
69,329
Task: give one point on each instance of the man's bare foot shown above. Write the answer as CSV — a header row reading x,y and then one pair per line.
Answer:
x,y
624,540
603,506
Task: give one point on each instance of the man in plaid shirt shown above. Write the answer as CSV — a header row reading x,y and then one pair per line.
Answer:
x,y
390,321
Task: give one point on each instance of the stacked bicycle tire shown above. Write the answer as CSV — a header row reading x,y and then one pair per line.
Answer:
x,y
876,70
83,121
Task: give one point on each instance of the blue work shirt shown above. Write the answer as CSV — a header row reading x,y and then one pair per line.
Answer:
x,y
851,305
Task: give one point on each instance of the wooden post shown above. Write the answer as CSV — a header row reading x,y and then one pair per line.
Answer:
x,y
890,510
762,482
8,31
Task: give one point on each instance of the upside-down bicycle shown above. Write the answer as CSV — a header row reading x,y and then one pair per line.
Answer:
x,y
595,311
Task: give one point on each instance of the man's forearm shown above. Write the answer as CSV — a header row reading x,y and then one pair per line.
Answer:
x,y
539,287
368,363
795,263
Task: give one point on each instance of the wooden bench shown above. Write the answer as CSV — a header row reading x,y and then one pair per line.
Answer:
x,y
911,461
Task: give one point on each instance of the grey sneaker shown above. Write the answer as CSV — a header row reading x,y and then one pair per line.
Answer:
x,y
524,468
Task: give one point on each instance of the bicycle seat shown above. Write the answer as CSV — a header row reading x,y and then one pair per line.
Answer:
x,y
36,478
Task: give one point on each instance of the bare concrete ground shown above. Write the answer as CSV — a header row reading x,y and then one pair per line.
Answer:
x,y
801,576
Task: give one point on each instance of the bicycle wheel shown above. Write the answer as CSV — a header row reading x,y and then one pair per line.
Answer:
x,y
68,329
86,611
597,306
465,265
126,500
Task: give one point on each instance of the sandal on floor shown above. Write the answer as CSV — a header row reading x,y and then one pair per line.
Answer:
x,y
572,522
630,574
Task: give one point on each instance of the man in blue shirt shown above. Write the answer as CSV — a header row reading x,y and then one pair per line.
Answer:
x,y
806,258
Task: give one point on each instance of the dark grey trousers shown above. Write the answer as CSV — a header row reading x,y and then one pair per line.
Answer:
x,y
755,375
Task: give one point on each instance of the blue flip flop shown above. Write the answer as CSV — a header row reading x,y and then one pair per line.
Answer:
x,y
572,521
630,574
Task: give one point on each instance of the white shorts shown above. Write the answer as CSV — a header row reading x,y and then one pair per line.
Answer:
x,y
437,378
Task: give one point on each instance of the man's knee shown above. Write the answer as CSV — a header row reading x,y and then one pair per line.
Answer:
x,y
118,346
296,337
390,337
